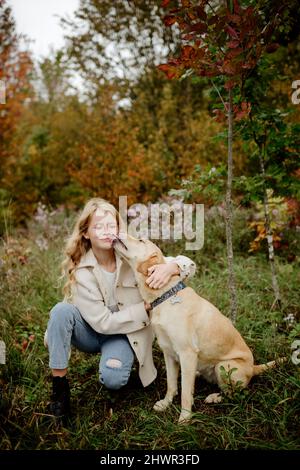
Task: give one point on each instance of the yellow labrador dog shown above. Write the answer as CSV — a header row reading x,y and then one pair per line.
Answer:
x,y
191,332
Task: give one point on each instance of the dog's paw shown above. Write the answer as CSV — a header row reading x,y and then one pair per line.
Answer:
x,y
185,417
161,405
213,398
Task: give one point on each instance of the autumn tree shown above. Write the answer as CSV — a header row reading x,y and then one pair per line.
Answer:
x,y
222,41
15,70
274,146
42,139
172,136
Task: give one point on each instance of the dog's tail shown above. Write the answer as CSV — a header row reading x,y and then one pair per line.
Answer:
x,y
260,368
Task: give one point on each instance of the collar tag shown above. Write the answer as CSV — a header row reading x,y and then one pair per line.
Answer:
x,y
175,299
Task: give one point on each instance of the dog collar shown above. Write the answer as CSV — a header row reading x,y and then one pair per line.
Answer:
x,y
168,294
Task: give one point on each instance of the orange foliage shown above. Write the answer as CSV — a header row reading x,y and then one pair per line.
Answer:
x,y
110,162
15,68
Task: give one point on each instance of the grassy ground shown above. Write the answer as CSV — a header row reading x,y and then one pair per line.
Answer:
x,y
265,416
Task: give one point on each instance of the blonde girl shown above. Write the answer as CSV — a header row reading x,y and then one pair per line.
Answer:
x,y
102,311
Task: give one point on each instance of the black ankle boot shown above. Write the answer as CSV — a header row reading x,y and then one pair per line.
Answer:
x,y
60,399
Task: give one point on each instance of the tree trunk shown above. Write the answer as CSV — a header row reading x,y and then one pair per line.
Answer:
x,y
269,234
228,217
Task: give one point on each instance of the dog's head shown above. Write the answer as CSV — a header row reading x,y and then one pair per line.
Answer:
x,y
140,254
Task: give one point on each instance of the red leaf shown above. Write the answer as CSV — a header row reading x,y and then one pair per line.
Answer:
x,y
219,115
249,12
234,53
246,106
243,111
169,20
232,32
169,70
187,52
165,3
234,18
236,7
182,24
233,44
188,37
210,73
229,84
191,15
24,345
228,68
198,27
174,61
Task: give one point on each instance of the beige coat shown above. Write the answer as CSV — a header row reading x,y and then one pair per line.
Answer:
x,y
90,296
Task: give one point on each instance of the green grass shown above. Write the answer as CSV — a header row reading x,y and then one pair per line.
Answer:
x,y
265,416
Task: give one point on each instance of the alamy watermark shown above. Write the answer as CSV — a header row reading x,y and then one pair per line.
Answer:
x,y
295,347
296,93
164,221
2,352
2,92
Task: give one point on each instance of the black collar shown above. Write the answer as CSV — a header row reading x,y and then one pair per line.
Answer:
x,y
168,294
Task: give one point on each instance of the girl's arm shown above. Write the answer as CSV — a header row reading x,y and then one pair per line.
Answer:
x,y
187,267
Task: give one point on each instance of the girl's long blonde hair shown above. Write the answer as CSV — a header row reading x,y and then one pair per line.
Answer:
x,y
77,245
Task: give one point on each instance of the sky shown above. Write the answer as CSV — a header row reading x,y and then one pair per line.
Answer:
x,y
36,19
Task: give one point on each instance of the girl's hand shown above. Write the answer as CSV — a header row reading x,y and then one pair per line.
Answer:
x,y
160,274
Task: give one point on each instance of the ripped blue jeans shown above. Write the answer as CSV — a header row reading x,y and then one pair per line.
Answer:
x,y
66,326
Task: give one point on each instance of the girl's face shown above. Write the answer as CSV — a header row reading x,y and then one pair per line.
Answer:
x,y
102,229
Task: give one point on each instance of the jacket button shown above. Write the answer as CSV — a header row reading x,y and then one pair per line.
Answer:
x,y
120,303
144,323
135,343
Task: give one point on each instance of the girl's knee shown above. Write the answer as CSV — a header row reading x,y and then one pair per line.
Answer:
x,y
113,375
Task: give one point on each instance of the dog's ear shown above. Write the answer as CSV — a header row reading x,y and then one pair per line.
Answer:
x,y
143,267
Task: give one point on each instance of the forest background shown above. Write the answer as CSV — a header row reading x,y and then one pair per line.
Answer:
x,y
128,130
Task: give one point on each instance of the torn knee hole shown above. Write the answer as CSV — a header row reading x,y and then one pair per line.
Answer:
x,y
114,363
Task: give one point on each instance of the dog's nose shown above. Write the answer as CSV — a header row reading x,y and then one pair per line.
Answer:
x,y
117,239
